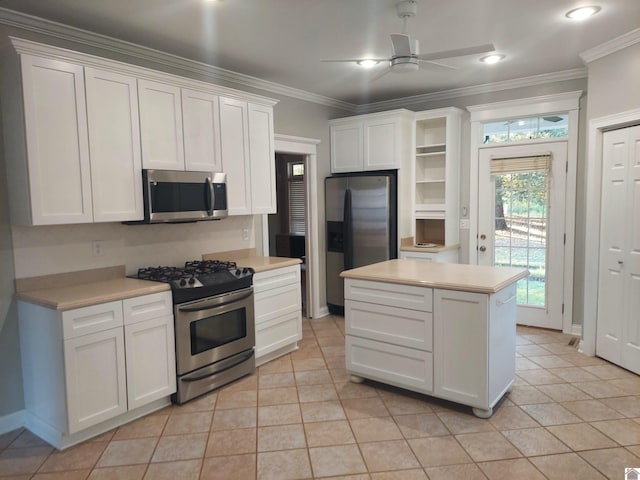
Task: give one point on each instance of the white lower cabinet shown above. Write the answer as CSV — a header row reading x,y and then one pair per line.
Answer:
x,y
278,312
90,369
450,256
455,345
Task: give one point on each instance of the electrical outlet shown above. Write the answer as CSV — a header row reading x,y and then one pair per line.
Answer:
x,y
464,224
97,247
245,234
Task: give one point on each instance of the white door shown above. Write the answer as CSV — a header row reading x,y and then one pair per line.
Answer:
x,y
521,223
381,143
618,329
347,147
200,118
262,158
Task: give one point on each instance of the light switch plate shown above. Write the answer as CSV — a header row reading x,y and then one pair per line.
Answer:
x,y
464,224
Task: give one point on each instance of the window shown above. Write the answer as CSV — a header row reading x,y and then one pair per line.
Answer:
x,y
296,200
527,128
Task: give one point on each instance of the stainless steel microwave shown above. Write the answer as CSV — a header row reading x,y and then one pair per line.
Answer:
x,y
172,196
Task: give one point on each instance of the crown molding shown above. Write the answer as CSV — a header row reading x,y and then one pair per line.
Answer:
x,y
214,74
476,89
612,46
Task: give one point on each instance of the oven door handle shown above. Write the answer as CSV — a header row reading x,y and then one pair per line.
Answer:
x,y
232,298
240,360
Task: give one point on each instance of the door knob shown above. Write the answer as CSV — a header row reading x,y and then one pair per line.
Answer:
x,y
483,248
483,237
620,262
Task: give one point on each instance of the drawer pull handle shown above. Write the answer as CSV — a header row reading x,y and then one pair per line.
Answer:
x,y
504,302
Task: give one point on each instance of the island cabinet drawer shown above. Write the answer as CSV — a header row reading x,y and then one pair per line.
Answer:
x,y
400,326
391,294
392,364
91,319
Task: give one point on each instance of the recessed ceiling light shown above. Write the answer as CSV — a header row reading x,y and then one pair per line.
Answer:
x,y
368,63
491,59
582,12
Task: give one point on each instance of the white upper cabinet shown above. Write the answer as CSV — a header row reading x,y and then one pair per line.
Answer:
x,y
114,145
200,117
262,159
161,125
377,141
48,157
234,134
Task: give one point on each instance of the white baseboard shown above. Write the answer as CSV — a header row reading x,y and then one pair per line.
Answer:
x,y
576,330
12,421
322,312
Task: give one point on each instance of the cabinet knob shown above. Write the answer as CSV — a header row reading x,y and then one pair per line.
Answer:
x,y
620,262
483,248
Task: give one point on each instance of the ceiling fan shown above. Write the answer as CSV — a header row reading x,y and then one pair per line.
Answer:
x,y
404,58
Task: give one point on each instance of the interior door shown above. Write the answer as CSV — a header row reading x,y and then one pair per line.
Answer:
x,y
521,223
618,331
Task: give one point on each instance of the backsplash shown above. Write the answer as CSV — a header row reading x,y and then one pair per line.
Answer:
x,y
66,248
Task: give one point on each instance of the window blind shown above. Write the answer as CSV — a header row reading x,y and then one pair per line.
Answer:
x,y
501,166
297,206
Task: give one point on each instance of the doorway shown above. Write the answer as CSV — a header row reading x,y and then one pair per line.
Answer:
x,y
521,223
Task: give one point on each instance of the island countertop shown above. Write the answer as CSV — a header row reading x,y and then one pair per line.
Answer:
x,y
448,276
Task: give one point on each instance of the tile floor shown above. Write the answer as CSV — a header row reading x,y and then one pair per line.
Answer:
x,y
568,416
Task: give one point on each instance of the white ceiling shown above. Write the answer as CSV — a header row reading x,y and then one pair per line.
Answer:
x,y
283,41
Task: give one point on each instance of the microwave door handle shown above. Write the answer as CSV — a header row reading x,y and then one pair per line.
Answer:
x,y
211,199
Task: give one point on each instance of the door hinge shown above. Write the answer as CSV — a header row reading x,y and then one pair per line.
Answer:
x,y
563,308
564,241
566,168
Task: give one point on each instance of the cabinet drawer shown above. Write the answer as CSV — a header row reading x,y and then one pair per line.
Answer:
x,y
92,319
278,332
276,278
400,326
146,307
393,295
401,366
273,303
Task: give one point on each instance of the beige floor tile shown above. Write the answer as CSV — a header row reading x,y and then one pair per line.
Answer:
x,y
336,460
237,399
560,348
413,474
550,361
284,465
611,461
505,418
563,392
235,467
375,429
581,436
438,451
348,389
149,426
274,380
128,452
592,410
468,471
202,404
628,406
279,365
625,432
519,468
333,351
65,475
535,441
281,437
305,352
487,446
26,439
334,362
277,396
317,393
234,418
550,414
312,377
630,386
527,394
539,376
331,341
523,363
279,414
458,422
574,374
388,455
180,447
322,434
231,442
84,455
126,472
8,438
182,423
364,407
580,360
322,411
608,371
599,389
567,466
249,382
421,425
184,470
339,375
308,364
404,404
531,350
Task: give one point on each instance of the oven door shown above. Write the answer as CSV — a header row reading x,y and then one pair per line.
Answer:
x,y
214,328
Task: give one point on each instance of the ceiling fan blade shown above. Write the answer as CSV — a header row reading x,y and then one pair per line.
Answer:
x,y
460,52
439,64
354,60
401,45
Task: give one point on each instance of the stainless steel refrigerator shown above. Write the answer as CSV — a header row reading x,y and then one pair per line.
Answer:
x,y
361,213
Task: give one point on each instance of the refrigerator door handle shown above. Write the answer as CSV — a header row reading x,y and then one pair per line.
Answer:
x,y
348,231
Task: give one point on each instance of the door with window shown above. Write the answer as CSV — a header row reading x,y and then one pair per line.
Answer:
x,y
521,218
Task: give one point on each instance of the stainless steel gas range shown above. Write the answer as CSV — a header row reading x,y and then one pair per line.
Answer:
x,y
214,323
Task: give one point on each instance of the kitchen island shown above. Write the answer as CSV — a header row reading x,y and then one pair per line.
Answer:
x,y
442,329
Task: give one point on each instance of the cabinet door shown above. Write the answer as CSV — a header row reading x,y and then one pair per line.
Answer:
x,y
56,141
460,357
114,146
151,364
200,119
234,139
262,156
381,143
161,126
95,378
347,151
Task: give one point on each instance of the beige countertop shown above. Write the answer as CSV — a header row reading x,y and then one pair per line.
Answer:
x,y
91,293
258,263
449,276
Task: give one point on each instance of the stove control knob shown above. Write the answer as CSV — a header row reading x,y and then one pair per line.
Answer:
x,y
245,270
238,272
183,282
192,280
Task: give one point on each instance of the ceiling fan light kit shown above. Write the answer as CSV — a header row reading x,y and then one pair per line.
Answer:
x,y
493,58
582,13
